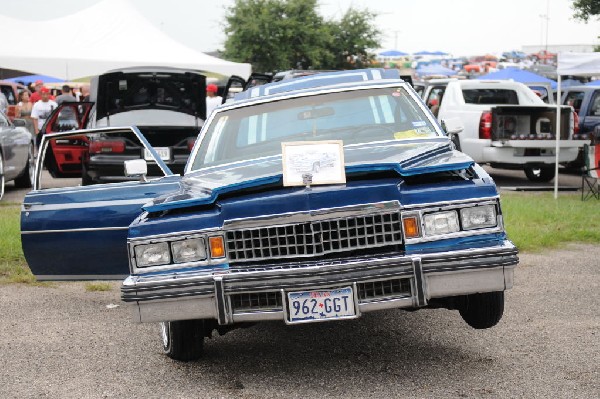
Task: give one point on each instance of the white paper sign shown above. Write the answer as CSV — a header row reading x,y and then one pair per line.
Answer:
x,y
313,162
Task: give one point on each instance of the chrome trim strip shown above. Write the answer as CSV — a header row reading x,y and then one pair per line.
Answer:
x,y
78,277
419,291
222,313
452,204
32,207
74,230
313,215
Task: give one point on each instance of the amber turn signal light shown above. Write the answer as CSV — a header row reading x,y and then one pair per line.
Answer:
x,y
217,247
411,227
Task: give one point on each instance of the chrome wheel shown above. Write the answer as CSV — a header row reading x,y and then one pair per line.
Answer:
x,y
25,179
164,334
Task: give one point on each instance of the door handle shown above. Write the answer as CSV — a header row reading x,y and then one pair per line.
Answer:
x,y
31,204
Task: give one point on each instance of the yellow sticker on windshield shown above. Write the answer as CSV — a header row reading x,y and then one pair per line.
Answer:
x,y
408,134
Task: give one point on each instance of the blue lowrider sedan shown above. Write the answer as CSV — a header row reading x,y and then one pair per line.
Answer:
x,y
395,217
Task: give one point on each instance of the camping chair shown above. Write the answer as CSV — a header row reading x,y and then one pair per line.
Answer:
x,y
590,180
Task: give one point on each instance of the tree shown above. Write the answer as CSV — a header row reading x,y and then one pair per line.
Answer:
x,y
585,9
286,34
276,34
352,37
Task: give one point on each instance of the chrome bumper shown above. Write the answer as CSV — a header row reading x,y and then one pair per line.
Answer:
x,y
255,294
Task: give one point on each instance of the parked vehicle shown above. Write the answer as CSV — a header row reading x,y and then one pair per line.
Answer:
x,y
506,125
166,104
16,153
585,100
396,219
11,90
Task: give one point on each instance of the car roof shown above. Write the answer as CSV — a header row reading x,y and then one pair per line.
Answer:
x,y
318,81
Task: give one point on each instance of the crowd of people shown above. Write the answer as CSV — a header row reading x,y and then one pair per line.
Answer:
x,y
37,103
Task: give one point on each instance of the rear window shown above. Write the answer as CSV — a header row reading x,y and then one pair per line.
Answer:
x,y
491,96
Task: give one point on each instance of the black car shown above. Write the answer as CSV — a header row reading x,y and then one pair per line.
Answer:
x,y
167,104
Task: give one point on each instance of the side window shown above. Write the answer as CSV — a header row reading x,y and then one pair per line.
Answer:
x,y
595,107
574,99
77,159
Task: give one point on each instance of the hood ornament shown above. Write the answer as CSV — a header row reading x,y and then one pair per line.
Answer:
x,y
307,179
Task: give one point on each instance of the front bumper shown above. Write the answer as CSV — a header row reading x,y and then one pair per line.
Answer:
x,y
256,294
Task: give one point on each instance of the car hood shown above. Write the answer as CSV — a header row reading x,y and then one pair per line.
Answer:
x,y
407,158
161,89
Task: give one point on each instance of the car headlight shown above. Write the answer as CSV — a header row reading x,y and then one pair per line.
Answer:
x,y
440,223
188,250
152,254
478,217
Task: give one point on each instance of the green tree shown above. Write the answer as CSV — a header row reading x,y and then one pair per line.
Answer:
x,y
285,34
275,34
585,9
352,37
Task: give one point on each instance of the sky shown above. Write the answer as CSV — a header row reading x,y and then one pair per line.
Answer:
x,y
460,27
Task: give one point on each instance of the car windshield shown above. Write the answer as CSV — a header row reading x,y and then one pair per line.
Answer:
x,y
355,117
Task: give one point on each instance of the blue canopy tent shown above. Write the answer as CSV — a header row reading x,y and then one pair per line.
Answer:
x,y
32,78
518,75
392,53
594,83
435,69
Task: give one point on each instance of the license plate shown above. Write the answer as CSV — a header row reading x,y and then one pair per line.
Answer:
x,y
306,306
163,152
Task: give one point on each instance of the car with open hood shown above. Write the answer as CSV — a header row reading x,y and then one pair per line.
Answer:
x,y
167,104
311,200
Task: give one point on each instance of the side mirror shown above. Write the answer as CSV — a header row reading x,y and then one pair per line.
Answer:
x,y
19,122
452,126
136,168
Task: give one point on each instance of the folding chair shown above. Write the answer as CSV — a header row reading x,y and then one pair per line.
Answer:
x,y
590,180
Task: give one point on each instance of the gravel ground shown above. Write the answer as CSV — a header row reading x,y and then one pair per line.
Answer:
x,y
64,342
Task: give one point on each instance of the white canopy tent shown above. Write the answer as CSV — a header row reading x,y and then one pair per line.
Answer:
x,y
115,35
577,64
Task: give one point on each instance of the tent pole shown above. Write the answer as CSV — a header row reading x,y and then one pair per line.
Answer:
x,y
557,149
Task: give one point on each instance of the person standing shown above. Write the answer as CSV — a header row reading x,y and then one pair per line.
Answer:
x,y
24,108
41,111
36,95
212,100
66,95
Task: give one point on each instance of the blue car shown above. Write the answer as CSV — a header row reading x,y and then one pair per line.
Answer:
x,y
398,219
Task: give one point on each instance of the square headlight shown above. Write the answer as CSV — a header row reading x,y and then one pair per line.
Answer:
x,y
152,254
188,250
478,217
440,223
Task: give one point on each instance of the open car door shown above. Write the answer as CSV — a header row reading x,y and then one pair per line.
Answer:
x,y
237,84
75,231
64,159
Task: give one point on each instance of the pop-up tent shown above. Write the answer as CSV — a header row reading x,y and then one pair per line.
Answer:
x,y
518,75
575,64
114,35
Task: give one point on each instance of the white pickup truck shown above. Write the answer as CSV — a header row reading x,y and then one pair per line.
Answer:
x,y
505,124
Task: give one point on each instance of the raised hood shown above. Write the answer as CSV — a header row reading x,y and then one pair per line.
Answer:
x,y
407,158
163,89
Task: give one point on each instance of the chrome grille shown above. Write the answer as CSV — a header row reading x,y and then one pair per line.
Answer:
x,y
383,289
314,238
256,301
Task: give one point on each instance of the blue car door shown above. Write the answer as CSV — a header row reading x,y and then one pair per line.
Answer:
x,y
70,230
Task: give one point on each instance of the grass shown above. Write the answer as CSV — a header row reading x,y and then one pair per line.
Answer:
x,y
13,267
534,222
97,286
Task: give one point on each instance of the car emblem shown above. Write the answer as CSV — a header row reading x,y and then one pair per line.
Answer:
x,y
307,179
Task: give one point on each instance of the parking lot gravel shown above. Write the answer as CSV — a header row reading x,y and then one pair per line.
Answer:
x,y
61,341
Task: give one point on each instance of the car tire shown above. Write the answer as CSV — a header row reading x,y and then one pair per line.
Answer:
x,y
183,340
1,176
482,311
540,174
25,179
